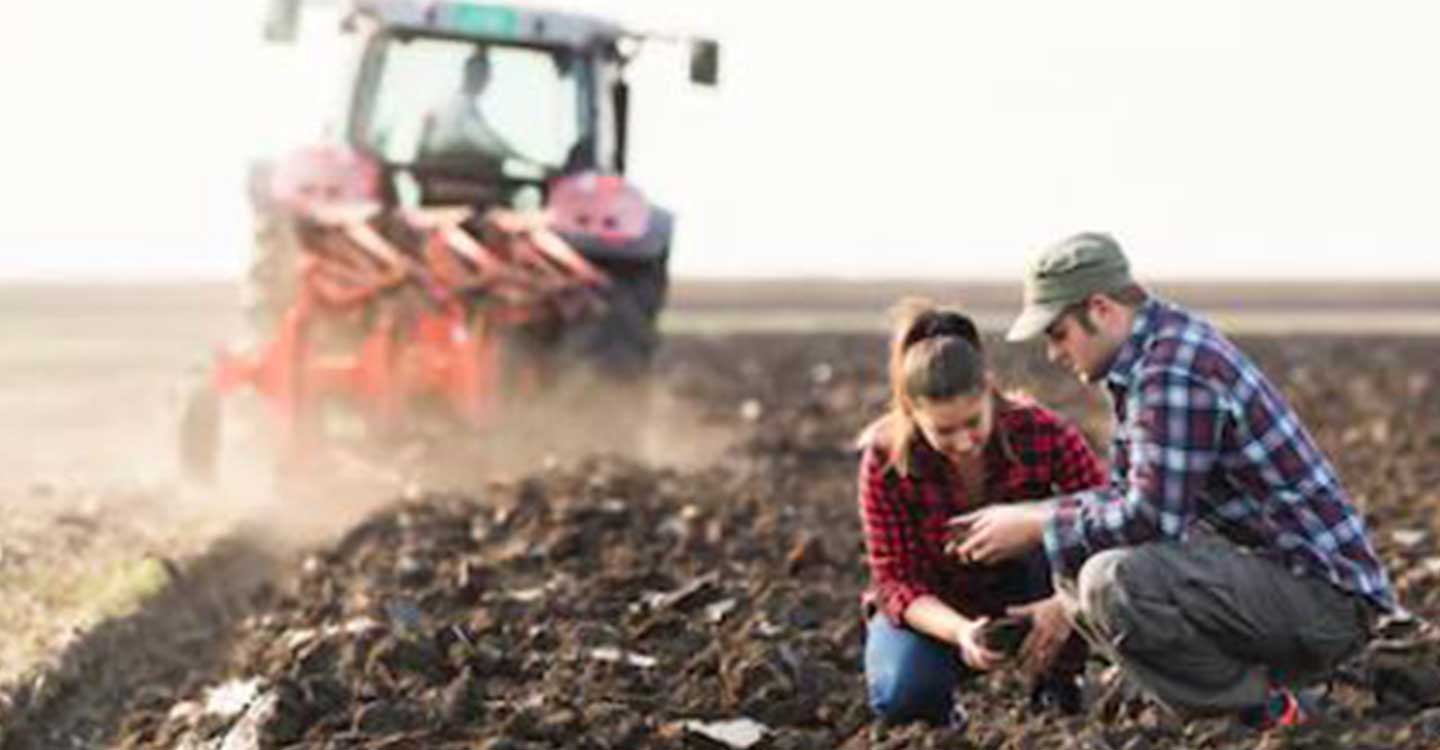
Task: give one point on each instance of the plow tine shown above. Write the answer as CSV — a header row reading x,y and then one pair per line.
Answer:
x,y
437,219
486,262
369,240
342,214
344,286
557,264
557,249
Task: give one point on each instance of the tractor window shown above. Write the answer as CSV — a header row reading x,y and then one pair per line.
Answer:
x,y
449,97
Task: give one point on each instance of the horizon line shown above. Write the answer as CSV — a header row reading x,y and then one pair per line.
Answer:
x,y
1338,280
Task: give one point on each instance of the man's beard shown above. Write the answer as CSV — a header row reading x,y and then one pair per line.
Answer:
x,y
1097,375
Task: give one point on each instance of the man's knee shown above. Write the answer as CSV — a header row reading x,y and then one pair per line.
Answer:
x,y
1101,586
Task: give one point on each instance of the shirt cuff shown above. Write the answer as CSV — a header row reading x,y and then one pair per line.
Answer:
x,y
1065,545
895,599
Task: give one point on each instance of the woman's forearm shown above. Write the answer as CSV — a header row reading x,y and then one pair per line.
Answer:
x,y
935,618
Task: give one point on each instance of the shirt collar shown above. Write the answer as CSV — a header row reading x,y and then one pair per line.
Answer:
x,y
1142,332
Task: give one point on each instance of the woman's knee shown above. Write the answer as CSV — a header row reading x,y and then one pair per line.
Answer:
x,y
898,696
910,676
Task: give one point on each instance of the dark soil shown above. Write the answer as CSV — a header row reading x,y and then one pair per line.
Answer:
x,y
602,603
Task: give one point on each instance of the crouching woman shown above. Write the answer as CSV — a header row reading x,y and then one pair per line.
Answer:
x,y
951,443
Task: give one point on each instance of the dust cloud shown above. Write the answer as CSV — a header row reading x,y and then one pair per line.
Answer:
x,y
93,381
293,504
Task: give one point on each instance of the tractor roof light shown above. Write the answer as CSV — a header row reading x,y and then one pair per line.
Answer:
x,y
480,20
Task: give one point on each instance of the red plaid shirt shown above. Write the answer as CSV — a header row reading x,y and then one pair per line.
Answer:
x,y
1033,453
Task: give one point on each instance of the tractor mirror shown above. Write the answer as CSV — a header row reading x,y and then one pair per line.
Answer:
x,y
282,21
705,62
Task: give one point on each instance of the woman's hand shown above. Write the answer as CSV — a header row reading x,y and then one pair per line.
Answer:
x,y
1050,629
972,650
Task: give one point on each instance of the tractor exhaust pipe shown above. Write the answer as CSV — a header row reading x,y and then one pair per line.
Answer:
x,y
282,21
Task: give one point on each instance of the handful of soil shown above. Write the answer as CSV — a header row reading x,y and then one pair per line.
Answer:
x,y
1004,635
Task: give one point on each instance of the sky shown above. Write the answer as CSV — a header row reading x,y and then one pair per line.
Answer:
x,y
1216,140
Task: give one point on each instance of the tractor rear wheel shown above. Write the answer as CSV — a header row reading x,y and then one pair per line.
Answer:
x,y
622,342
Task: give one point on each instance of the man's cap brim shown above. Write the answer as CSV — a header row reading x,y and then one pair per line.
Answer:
x,y
1033,320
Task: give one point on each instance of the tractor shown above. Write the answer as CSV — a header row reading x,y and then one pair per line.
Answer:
x,y
465,230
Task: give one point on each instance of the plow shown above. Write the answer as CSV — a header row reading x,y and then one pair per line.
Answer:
x,y
471,234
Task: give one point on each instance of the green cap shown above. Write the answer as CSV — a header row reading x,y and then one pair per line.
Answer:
x,y
1066,273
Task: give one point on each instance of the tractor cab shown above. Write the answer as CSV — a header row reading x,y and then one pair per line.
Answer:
x,y
456,102
401,265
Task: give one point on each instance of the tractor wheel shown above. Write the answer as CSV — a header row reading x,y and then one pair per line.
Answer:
x,y
622,342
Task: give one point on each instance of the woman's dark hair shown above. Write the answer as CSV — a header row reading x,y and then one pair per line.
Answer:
x,y
935,354
918,319
936,357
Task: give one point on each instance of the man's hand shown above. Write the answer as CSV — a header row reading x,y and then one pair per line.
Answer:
x,y
1048,634
972,649
999,532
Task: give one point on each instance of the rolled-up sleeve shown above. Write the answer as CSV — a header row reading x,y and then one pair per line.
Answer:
x,y
1171,438
892,540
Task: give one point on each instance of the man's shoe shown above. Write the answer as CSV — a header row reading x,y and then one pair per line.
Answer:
x,y
1294,713
1285,708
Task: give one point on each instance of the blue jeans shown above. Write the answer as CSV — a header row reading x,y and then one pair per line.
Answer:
x,y
911,677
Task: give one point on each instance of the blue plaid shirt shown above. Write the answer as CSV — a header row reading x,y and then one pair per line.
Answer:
x,y
1201,434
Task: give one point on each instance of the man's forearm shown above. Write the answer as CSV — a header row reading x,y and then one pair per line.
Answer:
x,y
1094,520
1001,532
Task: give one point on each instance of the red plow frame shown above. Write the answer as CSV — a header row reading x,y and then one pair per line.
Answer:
x,y
422,317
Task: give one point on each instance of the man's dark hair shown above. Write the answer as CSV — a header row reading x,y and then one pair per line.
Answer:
x,y
1130,295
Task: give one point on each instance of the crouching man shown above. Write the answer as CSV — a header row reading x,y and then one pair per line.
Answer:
x,y
1224,564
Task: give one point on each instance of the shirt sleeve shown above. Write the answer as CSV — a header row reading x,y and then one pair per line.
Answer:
x,y
1171,437
892,539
